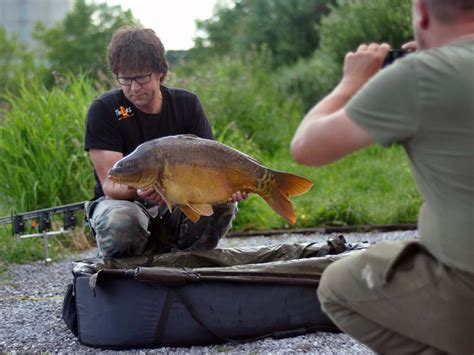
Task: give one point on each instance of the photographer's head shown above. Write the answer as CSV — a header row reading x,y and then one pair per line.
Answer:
x,y
136,49
437,22
452,10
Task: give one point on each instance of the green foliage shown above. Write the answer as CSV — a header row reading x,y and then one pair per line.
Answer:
x,y
32,249
357,21
286,28
373,186
350,24
15,61
240,93
176,57
79,43
13,251
42,159
310,79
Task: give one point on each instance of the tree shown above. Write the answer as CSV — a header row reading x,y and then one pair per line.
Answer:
x,y
220,30
287,28
348,25
78,44
16,62
358,21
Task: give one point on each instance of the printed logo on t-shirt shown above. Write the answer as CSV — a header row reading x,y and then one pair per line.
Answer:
x,y
123,112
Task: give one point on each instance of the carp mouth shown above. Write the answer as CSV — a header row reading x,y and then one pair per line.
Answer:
x,y
114,178
130,180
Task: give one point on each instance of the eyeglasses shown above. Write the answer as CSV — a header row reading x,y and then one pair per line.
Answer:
x,y
140,79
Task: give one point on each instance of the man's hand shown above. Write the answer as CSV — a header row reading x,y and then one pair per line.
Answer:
x,y
150,194
411,46
238,196
362,65
103,161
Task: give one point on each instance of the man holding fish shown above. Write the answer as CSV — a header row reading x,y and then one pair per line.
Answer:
x,y
128,221
412,297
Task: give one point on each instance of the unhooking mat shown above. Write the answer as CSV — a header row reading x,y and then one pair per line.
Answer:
x,y
199,298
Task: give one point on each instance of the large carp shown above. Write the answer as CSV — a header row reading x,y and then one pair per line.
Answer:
x,y
195,173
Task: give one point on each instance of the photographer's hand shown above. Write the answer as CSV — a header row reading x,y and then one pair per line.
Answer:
x,y
360,66
411,46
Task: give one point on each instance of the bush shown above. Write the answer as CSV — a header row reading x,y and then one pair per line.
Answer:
x,y
357,21
242,94
15,61
311,78
347,26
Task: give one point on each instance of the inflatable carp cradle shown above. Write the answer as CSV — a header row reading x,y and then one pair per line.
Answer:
x,y
198,298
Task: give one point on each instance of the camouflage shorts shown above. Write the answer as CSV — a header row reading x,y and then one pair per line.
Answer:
x,y
124,228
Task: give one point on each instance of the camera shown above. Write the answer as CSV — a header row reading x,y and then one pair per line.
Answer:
x,y
393,55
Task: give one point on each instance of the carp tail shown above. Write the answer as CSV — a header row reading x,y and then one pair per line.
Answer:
x,y
291,184
284,186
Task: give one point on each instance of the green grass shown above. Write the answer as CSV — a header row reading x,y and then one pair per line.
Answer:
x,y
42,159
373,186
30,249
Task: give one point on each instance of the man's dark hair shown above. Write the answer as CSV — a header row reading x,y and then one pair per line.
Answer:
x,y
447,11
137,49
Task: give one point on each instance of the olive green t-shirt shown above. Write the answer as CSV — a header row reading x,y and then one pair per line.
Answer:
x,y
425,102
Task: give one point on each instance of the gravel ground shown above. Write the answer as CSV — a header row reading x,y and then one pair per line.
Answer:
x,y
31,302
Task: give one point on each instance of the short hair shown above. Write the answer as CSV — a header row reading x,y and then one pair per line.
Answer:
x,y
136,49
448,11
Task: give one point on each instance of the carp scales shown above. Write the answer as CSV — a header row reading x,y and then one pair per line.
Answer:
x,y
195,173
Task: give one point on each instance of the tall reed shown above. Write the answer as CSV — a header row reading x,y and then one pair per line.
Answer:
x,y
42,160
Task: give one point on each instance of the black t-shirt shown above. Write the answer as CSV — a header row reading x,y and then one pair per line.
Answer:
x,y
114,123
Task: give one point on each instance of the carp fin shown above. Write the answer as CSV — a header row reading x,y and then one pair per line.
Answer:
x,y
292,184
163,196
203,209
287,185
186,136
281,204
193,216
195,211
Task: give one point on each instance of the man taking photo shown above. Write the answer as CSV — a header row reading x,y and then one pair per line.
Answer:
x,y
418,296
